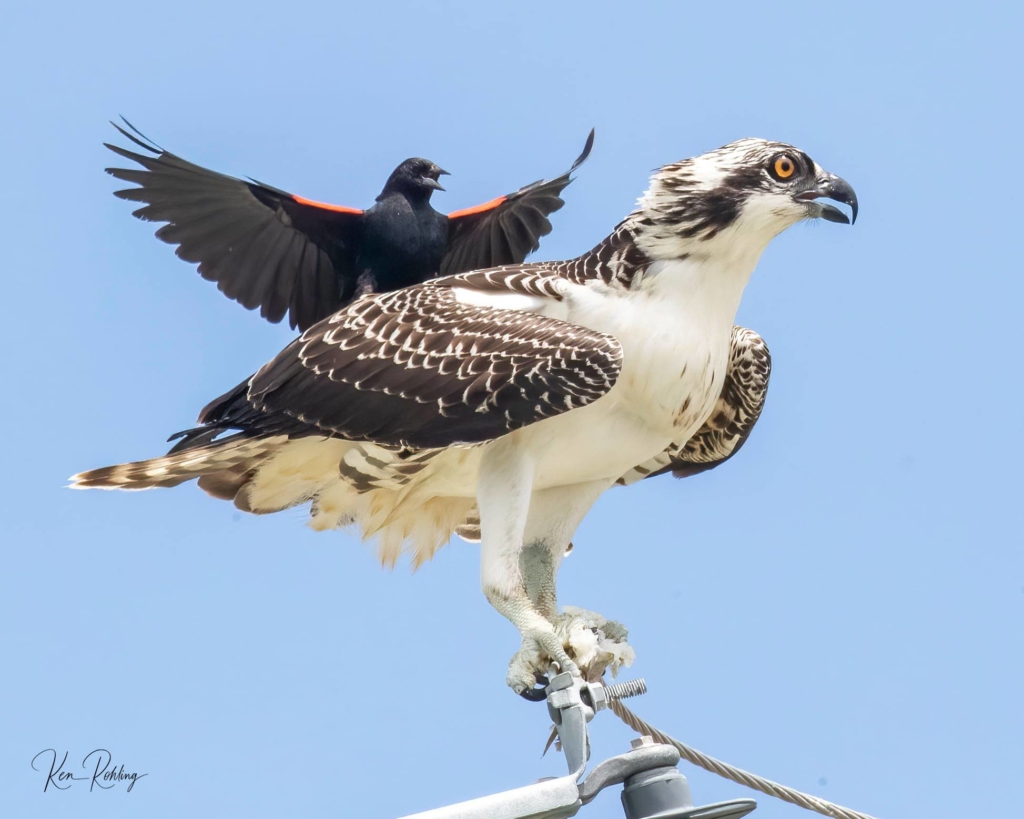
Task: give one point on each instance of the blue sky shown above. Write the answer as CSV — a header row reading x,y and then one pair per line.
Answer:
x,y
840,608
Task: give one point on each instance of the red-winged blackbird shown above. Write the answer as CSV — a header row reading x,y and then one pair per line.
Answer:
x,y
286,254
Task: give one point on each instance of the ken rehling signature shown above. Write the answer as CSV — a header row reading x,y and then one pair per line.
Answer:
x,y
99,771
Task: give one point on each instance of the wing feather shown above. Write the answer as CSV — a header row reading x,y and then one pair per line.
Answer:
x,y
507,229
420,368
263,246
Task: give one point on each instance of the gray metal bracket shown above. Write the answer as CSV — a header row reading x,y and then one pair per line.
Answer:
x,y
653,788
619,768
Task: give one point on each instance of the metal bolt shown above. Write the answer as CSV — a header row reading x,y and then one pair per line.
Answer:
x,y
621,691
641,742
560,681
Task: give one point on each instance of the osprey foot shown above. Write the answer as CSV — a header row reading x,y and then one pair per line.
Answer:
x,y
541,648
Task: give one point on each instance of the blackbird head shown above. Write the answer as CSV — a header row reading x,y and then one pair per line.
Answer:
x,y
416,178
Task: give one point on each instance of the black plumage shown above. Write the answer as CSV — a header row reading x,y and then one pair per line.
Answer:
x,y
288,255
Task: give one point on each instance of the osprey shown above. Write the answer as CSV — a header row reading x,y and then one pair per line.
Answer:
x,y
286,254
501,403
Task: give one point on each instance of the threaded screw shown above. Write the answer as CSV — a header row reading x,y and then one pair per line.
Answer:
x,y
625,690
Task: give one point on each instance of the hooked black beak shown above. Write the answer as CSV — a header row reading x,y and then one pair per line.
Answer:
x,y
837,189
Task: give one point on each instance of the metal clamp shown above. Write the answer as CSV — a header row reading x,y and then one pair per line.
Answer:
x,y
653,788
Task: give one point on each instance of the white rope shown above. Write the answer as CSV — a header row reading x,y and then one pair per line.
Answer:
x,y
741,777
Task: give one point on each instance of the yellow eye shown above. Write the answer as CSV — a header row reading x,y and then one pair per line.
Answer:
x,y
784,167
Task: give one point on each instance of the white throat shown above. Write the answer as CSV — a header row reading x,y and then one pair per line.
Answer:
x,y
706,289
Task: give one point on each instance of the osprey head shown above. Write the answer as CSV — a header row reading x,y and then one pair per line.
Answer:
x,y
748,190
415,177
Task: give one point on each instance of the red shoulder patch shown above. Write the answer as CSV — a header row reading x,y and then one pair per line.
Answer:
x,y
486,206
325,206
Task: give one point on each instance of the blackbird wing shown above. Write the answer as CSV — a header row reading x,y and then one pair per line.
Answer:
x,y
507,229
264,247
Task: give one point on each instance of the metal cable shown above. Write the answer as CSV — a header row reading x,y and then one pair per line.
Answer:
x,y
741,777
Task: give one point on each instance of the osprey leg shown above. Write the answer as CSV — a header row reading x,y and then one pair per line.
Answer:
x,y
504,490
539,564
553,517
548,519
593,642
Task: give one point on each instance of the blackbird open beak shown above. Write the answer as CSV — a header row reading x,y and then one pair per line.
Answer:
x,y
430,178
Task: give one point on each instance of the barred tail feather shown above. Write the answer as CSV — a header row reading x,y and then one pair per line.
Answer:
x,y
219,466
343,486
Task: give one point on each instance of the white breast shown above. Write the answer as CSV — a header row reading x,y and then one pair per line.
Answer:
x,y
675,332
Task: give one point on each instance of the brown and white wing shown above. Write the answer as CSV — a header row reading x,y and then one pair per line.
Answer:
x,y
425,367
731,421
